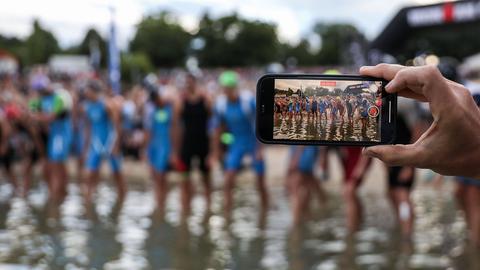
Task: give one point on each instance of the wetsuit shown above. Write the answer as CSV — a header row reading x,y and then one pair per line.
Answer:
x,y
350,158
158,122
195,139
102,137
403,136
322,106
59,130
340,107
364,109
314,106
349,108
6,159
308,157
240,123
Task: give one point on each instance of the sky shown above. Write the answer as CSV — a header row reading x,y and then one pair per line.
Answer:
x,y
69,20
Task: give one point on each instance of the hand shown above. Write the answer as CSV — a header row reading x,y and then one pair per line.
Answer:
x,y
451,145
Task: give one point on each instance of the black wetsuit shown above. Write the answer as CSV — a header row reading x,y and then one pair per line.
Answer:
x,y
7,158
195,137
403,136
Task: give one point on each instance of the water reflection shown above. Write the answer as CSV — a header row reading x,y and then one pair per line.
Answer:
x,y
131,234
304,128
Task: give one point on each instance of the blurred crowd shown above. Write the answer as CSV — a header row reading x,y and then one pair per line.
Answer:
x,y
187,121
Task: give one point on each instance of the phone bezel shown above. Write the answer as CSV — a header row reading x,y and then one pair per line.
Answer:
x,y
264,110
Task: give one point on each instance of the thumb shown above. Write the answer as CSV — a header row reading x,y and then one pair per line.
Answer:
x,y
394,155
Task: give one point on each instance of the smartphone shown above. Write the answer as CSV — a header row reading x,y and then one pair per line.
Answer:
x,y
324,110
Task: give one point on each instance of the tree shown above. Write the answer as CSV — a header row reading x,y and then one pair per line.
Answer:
x,y
91,42
162,39
134,66
14,46
337,40
233,41
40,45
300,52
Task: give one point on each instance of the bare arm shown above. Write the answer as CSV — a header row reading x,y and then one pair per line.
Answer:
x,y
6,130
113,111
175,131
34,132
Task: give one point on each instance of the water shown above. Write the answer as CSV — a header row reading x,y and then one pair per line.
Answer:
x,y
132,235
332,130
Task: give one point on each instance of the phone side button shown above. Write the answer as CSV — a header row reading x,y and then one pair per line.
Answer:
x,y
389,111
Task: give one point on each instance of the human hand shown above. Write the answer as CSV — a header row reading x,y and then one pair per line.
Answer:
x,y
451,145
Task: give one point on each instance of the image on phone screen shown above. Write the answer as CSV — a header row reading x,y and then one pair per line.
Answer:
x,y
327,110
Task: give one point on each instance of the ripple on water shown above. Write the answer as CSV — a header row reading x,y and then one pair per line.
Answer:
x,y
113,235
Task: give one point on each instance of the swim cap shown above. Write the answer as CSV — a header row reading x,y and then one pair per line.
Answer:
x,y
228,79
227,138
62,101
39,82
12,112
331,72
34,105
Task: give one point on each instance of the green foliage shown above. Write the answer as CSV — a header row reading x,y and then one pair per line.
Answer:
x,y
92,39
336,39
40,45
233,41
162,39
134,66
300,52
13,45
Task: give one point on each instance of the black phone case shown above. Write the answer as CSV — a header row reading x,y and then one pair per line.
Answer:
x,y
393,98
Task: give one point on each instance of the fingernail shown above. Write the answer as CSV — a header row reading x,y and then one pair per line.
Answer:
x,y
388,85
368,152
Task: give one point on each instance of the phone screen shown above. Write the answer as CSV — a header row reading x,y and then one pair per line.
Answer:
x,y
327,110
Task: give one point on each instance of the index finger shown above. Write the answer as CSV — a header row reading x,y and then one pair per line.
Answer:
x,y
389,72
386,71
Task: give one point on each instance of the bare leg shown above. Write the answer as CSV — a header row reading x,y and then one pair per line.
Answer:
x,y
473,198
63,179
91,185
79,168
207,189
298,197
228,191
46,171
461,196
161,189
353,207
315,187
262,191
11,177
27,182
120,183
186,195
404,211
58,181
